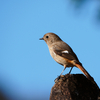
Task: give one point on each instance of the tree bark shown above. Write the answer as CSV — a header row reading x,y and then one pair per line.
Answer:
x,y
74,87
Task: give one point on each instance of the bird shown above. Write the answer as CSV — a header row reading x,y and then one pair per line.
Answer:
x,y
63,54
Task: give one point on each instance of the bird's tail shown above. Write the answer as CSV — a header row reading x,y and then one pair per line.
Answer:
x,y
84,71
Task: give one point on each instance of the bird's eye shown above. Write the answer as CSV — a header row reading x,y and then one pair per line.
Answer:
x,y
47,36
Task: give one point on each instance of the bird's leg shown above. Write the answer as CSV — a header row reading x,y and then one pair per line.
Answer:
x,y
70,70
63,71
57,79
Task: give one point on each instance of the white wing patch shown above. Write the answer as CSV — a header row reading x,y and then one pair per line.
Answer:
x,y
65,51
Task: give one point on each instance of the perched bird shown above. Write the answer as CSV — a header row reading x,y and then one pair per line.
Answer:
x,y
62,53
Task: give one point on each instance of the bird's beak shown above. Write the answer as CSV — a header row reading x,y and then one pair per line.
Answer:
x,y
41,39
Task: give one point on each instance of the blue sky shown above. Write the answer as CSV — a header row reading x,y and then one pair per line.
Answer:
x,y
26,68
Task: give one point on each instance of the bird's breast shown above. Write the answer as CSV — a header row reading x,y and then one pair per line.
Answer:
x,y
58,58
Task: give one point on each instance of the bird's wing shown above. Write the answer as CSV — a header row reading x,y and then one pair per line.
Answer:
x,y
64,50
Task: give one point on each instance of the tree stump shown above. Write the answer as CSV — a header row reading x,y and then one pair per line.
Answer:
x,y
74,87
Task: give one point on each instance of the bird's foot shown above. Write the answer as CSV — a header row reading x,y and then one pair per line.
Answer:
x,y
58,78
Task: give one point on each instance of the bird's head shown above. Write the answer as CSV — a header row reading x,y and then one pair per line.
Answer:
x,y
50,38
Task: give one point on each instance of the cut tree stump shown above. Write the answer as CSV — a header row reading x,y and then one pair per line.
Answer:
x,y
74,87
